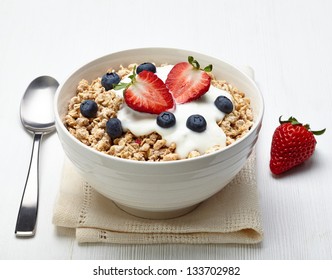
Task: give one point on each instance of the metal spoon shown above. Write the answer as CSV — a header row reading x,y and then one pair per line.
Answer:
x,y
37,117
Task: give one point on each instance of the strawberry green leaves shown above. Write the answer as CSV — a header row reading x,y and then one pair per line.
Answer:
x,y
196,65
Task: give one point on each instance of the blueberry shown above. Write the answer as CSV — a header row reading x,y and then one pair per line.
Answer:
x,y
109,80
166,119
224,104
89,108
196,123
114,128
146,66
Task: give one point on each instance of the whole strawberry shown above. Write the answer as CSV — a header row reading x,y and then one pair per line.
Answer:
x,y
292,144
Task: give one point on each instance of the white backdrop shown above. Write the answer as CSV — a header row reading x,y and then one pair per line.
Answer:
x,y
287,43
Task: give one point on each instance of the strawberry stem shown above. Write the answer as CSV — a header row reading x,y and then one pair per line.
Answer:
x,y
196,65
318,132
294,121
291,120
126,85
193,62
208,68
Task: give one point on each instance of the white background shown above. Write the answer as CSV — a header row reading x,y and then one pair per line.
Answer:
x,y
287,43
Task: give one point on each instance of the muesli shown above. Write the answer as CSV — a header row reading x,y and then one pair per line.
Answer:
x,y
158,113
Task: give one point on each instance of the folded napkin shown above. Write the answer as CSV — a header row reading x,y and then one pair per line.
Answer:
x,y
230,216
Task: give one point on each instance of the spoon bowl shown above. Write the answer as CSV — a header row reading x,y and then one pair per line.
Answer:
x,y
37,117
36,106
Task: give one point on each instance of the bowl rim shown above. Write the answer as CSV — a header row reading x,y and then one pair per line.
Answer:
x,y
60,125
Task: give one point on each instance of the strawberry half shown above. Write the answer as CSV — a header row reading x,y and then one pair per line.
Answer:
x,y
292,144
187,81
147,93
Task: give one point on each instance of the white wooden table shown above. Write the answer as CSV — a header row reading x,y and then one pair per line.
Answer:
x,y
288,43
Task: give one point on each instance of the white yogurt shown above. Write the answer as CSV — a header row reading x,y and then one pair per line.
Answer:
x,y
186,140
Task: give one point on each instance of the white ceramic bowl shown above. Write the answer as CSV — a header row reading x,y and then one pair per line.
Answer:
x,y
158,189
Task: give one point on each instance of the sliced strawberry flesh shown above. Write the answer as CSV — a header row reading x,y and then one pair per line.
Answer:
x,y
148,94
186,83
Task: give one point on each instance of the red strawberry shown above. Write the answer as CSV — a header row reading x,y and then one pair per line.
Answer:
x,y
187,82
147,93
292,144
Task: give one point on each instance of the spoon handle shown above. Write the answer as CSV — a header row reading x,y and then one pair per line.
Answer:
x,y
27,215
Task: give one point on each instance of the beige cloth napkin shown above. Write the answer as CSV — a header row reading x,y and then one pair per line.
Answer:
x,y
230,216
